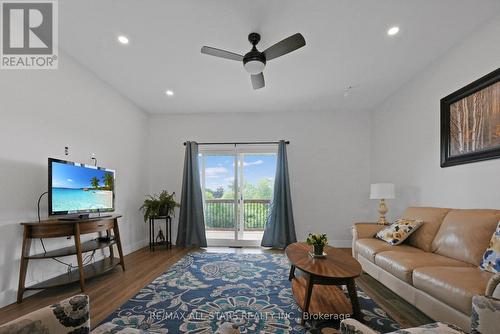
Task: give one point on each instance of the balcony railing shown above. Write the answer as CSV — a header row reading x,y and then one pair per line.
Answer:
x,y
220,214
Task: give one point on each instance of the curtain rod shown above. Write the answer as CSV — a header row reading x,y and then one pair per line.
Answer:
x,y
244,143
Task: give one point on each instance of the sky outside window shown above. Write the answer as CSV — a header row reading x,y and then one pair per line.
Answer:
x,y
258,170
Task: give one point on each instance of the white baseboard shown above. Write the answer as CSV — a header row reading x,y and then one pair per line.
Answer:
x,y
253,243
8,297
130,248
340,243
232,243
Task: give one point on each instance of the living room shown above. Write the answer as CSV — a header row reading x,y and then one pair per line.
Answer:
x,y
353,110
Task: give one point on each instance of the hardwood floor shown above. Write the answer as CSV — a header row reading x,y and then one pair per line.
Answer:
x,y
400,310
110,291
106,292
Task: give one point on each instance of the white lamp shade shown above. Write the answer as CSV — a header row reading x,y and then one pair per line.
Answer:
x,y
382,191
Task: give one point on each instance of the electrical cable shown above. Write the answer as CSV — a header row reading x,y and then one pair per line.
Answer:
x,y
89,258
39,199
69,265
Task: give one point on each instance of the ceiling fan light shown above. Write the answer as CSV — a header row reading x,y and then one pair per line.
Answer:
x,y
254,66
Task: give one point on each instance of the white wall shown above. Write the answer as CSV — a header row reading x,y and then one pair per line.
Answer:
x,y
328,160
40,113
405,132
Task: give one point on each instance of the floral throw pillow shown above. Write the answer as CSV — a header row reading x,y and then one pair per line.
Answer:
x,y
398,232
491,257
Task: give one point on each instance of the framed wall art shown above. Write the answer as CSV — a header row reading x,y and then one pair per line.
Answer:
x,y
470,122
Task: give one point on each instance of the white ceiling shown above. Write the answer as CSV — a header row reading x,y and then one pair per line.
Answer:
x,y
346,41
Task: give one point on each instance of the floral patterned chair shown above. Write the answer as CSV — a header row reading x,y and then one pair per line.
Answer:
x,y
72,316
485,319
110,328
69,316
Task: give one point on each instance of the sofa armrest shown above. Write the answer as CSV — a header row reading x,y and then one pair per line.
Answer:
x,y
366,230
352,326
69,315
363,231
493,287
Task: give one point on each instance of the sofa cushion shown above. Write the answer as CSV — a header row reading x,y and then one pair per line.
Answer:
x,y
432,219
491,257
396,233
402,264
465,234
370,247
454,286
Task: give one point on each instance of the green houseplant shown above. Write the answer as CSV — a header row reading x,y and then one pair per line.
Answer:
x,y
163,204
318,241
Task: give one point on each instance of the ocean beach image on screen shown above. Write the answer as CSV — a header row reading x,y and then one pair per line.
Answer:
x,y
78,188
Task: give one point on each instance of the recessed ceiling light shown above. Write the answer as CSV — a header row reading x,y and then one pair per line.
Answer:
x,y
393,31
123,39
169,93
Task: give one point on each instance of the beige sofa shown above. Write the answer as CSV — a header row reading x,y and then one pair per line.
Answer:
x,y
436,268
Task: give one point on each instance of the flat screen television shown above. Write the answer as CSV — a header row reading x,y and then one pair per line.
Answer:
x,y
76,188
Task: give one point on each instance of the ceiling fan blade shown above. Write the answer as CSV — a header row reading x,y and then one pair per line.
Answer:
x,y
287,45
257,80
221,53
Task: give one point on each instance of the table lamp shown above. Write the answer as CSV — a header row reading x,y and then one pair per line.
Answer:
x,y
382,191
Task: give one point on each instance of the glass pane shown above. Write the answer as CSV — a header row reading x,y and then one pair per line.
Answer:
x,y
258,172
219,194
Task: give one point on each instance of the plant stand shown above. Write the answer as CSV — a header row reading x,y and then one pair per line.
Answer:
x,y
168,232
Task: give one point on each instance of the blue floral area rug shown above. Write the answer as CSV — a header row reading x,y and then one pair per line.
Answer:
x,y
204,291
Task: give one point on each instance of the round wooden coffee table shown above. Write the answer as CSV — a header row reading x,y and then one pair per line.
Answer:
x,y
315,287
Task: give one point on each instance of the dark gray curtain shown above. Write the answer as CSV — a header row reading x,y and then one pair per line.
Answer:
x,y
280,229
191,231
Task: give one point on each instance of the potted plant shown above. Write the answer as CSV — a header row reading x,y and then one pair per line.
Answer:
x,y
318,241
163,204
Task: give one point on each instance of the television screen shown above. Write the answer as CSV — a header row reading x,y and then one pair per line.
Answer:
x,y
78,188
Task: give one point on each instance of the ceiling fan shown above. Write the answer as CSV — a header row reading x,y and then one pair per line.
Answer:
x,y
255,61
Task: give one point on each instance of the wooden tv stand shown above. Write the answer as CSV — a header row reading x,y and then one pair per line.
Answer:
x,y
53,228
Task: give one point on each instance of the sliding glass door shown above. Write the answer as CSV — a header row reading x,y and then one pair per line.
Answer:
x,y
237,184
218,175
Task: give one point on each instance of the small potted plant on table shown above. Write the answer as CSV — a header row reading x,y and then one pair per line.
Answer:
x,y
162,205
318,241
